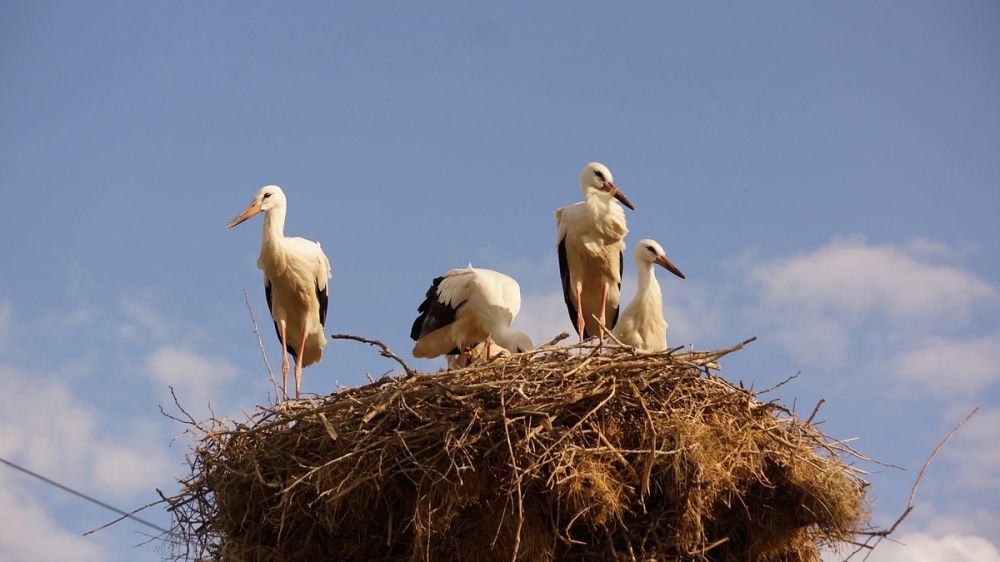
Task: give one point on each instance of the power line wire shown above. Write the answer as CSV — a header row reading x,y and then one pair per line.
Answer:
x,y
78,494
96,501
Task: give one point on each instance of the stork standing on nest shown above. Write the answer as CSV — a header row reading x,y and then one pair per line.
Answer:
x,y
591,240
642,325
296,272
465,307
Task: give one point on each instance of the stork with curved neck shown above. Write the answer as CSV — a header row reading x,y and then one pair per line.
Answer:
x,y
642,324
296,272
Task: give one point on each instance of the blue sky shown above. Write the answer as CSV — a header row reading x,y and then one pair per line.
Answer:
x,y
826,176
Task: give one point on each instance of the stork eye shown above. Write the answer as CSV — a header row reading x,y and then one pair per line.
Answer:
x,y
266,195
599,174
651,249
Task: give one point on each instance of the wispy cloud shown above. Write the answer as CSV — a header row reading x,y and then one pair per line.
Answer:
x,y
29,534
855,279
813,302
196,378
921,547
543,317
75,443
5,318
976,454
951,366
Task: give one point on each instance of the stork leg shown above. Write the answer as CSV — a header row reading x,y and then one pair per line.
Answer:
x,y
604,306
463,356
579,312
284,362
298,362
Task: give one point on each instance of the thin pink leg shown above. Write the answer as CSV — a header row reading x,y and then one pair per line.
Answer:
x,y
579,313
604,306
284,362
463,356
298,363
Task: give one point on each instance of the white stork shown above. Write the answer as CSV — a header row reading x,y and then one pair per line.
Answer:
x,y
295,283
642,325
465,307
591,237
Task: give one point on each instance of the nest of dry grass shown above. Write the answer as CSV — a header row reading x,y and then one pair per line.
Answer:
x,y
563,453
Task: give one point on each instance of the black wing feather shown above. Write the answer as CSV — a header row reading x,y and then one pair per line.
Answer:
x,y
567,290
621,271
323,297
277,330
434,314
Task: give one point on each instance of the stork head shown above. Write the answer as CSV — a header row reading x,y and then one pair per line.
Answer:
x,y
649,251
596,180
267,198
521,342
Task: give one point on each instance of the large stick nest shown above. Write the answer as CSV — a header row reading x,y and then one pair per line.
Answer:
x,y
565,453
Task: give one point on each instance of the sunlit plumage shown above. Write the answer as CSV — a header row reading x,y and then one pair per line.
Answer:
x,y
465,307
642,325
591,240
296,272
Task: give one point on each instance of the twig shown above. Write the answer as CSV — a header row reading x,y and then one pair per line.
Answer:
x,y
517,478
386,352
131,515
556,339
815,410
260,342
878,536
780,384
177,403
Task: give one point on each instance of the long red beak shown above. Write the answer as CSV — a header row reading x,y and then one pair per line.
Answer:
x,y
613,190
669,265
251,210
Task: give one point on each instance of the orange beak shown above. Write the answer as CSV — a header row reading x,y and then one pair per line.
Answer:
x,y
669,266
613,190
251,210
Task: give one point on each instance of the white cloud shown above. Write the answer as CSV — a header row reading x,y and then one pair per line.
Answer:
x,y
976,453
44,427
140,320
813,301
29,534
952,366
72,443
5,316
543,317
696,316
195,378
925,248
965,520
853,277
920,547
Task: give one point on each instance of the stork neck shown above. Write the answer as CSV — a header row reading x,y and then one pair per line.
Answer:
x,y
271,250
504,337
274,223
607,216
647,279
597,202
